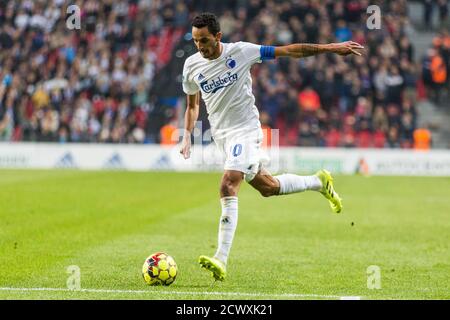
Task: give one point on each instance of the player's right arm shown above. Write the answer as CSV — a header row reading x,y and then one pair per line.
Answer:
x,y
192,92
190,116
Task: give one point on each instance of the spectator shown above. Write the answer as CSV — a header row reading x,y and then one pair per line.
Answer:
x,y
306,136
443,11
97,84
333,137
349,133
427,12
309,100
169,134
266,128
393,137
342,33
438,71
422,139
379,139
364,136
394,85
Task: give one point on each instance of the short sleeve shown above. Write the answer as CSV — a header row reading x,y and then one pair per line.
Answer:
x,y
251,51
255,53
189,86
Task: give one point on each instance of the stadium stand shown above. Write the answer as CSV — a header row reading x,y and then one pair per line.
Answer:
x,y
117,79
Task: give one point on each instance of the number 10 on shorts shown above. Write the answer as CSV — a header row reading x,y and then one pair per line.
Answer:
x,y
237,150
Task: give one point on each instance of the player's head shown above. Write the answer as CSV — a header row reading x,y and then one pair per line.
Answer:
x,y
206,35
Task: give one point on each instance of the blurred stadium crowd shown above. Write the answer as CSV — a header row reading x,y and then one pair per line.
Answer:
x,y
95,84
436,68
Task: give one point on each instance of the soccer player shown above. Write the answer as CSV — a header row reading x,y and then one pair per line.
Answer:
x,y
220,72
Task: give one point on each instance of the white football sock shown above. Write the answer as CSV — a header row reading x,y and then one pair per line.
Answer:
x,y
227,227
292,183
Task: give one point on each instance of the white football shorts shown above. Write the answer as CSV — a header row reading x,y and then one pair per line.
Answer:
x,y
242,152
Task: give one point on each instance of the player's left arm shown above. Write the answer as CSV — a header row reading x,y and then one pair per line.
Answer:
x,y
301,50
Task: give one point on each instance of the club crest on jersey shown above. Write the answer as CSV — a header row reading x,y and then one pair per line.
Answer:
x,y
230,63
218,83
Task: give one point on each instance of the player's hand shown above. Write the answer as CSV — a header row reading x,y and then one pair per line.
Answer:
x,y
346,48
186,147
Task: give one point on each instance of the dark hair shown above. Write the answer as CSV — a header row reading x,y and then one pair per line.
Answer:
x,y
209,20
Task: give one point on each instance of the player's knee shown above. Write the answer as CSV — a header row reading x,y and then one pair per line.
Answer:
x,y
227,189
229,186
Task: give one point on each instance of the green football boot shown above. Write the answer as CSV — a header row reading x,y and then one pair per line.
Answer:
x,y
215,266
328,190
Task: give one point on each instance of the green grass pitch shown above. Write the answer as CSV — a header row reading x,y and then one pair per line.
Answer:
x,y
289,247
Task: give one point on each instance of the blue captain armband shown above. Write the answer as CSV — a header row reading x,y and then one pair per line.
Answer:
x,y
267,52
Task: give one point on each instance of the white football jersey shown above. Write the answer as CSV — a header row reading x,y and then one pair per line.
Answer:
x,y
225,84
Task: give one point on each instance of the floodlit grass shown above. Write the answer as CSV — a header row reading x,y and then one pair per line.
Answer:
x,y
289,247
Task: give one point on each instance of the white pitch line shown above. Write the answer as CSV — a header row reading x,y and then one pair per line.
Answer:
x,y
212,293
